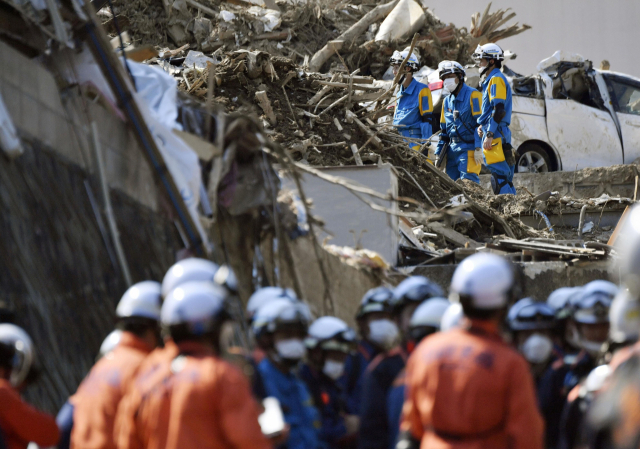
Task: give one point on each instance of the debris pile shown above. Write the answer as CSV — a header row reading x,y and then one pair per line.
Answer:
x,y
316,35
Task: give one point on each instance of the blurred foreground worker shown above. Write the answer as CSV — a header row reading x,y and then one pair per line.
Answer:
x,y
96,401
534,330
414,104
20,423
467,387
453,317
328,342
495,119
426,320
459,141
383,370
614,418
282,326
591,330
196,399
376,329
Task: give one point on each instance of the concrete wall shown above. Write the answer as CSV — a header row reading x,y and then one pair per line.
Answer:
x,y
597,30
540,278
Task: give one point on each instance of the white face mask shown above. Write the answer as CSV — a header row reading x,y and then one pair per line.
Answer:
x,y
449,85
332,369
292,349
537,348
383,332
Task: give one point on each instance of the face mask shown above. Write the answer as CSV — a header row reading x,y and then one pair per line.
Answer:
x,y
383,332
292,349
332,369
483,70
537,348
449,85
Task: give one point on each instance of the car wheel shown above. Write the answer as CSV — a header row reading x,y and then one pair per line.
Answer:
x,y
533,159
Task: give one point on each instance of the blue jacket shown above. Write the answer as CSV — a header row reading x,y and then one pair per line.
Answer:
x,y
395,401
468,102
374,426
329,399
354,370
496,90
296,404
414,108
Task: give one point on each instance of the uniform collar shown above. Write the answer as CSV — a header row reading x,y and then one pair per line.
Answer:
x,y
490,75
409,90
489,327
130,340
455,97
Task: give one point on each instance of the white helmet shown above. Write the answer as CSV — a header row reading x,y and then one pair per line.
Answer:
x,y
187,270
601,286
449,67
430,313
624,318
17,341
142,300
280,312
591,308
267,294
628,246
486,281
398,56
194,308
452,317
110,343
488,51
226,278
560,300
331,334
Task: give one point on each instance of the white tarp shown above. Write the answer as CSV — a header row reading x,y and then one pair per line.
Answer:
x,y
157,99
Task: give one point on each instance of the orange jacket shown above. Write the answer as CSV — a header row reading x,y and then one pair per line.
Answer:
x,y
21,423
467,389
192,401
96,401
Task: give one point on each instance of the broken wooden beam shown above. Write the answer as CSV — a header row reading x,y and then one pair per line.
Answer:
x,y
452,236
375,140
346,85
356,155
265,104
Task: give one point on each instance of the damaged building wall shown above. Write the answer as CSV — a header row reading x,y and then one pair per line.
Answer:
x,y
58,268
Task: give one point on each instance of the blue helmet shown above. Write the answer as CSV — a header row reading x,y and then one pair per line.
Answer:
x,y
528,314
415,289
377,299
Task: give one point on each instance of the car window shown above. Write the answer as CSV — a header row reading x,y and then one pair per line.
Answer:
x,y
626,94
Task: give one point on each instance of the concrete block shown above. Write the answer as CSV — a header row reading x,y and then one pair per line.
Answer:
x,y
30,116
48,92
348,220
11,72
13,101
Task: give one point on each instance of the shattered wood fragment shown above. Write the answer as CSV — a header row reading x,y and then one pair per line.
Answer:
x,y
351,117
274,35
265,104
202,8
351,34
322,92
356,155
452,236
346,85
337,123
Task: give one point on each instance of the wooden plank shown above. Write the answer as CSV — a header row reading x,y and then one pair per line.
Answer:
x,y
356,155
452,236
204,149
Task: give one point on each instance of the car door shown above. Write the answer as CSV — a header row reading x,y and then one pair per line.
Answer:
x,y
584,136
625,95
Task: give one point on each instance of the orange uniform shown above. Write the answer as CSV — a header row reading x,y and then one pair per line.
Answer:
x,y
96,401
192,401
21,423
467,389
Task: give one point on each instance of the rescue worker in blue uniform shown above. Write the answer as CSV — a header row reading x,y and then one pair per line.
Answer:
x,y
495,118
534,331
424,322
284,324
329,341
414,105
458,123
375,432
372,317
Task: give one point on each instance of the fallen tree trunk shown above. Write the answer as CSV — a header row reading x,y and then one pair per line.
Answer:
x,y
348,36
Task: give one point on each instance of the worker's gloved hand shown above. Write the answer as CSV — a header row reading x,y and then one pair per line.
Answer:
x,y
352,423
477,156
487,144
480,133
